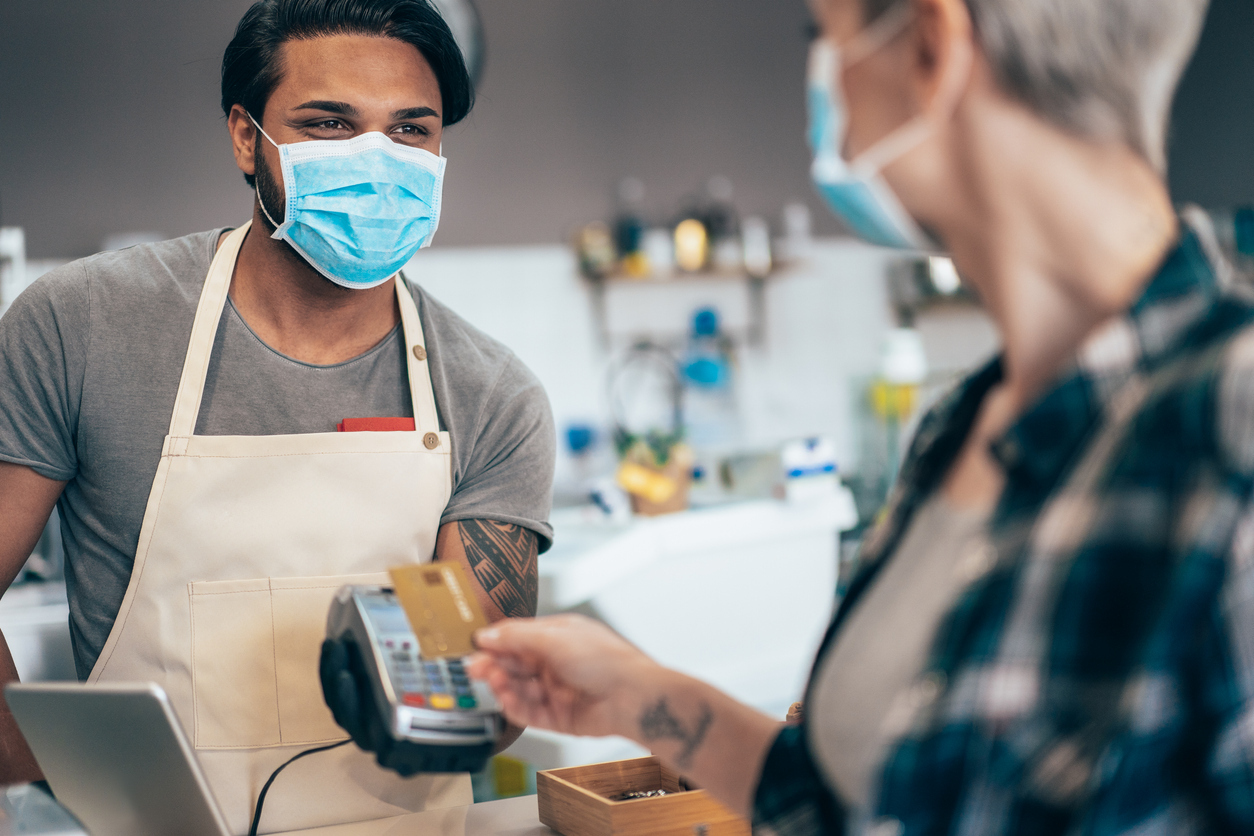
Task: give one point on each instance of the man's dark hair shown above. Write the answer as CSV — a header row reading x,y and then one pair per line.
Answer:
x,y
251,67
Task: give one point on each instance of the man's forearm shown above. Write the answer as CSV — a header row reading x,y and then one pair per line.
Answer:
x,y
507,738
17,762
702,733
501,559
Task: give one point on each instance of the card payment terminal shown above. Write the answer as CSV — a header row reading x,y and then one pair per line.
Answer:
x,y
415,714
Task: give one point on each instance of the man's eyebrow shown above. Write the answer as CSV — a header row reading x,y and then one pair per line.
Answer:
x,y
414,113
346,109
342,108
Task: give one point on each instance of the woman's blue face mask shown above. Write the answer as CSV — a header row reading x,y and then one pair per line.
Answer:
x,y
856,191
358,209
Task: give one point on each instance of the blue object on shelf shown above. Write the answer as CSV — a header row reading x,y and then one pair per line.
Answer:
x,y
580,438
710,372
705,323
706,364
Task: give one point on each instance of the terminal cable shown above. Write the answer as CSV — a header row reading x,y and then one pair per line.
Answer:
x,y
261,799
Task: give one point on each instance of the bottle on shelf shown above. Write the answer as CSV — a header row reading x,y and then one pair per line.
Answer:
x,y
722,224
629,228
711,412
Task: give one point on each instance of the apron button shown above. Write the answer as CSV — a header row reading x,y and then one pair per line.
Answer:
x,y
431,441
420,352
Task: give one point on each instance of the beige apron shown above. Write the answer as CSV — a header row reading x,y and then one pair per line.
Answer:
x,y
244,541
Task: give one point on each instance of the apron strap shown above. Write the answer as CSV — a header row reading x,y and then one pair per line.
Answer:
x,y
205,329
421,393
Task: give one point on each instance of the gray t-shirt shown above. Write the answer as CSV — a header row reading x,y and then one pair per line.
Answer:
x,y
90,360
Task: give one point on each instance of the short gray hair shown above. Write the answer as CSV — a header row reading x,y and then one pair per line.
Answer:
x,y
1103,69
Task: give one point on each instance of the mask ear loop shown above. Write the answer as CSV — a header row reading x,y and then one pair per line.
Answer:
x,y
260,201
877,36
912,134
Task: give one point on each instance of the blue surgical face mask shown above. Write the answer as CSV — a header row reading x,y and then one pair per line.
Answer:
x,y
358,209
856,191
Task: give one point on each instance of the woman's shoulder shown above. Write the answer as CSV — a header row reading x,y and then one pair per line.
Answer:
x,y
1230,373
1207,388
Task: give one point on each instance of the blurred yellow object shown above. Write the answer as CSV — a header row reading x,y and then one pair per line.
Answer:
x,y
894,401
641,481
509,776
637,265
595,245
692,245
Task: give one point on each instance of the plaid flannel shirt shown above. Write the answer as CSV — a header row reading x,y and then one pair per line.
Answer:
x,y
1098,677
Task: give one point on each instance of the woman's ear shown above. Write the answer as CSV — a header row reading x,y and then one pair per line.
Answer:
x,y
942,42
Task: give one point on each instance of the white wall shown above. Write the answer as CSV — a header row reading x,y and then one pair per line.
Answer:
x,y
825,321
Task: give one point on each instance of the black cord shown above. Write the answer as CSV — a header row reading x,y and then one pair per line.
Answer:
x,y
261,799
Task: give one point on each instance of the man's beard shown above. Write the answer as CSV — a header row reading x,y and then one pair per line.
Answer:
x,y
268,191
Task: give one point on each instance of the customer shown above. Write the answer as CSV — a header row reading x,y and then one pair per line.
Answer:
x,y
1054,628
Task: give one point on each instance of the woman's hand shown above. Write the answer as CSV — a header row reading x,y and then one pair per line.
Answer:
x,y
566,673
574,675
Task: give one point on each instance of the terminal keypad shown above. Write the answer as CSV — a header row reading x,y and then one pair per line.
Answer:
x,y
441,684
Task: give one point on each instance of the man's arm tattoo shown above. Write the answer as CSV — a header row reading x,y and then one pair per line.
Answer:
x,y
657,723
503,558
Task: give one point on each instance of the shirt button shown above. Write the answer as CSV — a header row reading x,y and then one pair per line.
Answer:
x,y
886,827
929,688
977,561
420,352
431,441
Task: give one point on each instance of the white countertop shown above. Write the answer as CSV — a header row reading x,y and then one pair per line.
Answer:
x,y
590,553
24,809
511,817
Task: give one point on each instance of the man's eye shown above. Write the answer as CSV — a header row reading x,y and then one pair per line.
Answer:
x,y
324,127
412,130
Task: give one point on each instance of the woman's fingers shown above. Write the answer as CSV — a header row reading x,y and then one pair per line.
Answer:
x,y
523,699
553,672
513,663
512,636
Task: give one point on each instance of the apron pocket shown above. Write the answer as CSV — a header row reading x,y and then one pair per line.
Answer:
x,y
255,649
300,625
234,691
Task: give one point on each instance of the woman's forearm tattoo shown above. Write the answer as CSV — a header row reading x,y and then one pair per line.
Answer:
x,y
658,723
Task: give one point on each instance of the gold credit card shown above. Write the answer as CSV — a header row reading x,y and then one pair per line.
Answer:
x,y
441,607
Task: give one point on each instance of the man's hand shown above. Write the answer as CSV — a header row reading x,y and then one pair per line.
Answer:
x,y
26,501
501,560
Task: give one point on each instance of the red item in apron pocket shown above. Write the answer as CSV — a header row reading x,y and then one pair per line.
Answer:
x,y
376,425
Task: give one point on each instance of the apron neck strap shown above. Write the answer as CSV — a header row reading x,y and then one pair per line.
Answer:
x,y
205,331
421,393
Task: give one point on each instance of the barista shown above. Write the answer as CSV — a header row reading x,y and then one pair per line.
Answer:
x,y
180,401
1052,632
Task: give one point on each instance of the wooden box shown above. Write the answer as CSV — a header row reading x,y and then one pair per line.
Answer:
x,y
578,801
